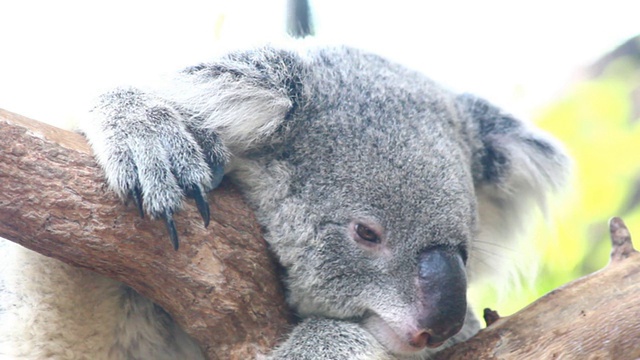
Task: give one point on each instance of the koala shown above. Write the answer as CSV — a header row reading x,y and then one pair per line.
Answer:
x,y
381,194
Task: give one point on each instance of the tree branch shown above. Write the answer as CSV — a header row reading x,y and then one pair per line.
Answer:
x,y
220,286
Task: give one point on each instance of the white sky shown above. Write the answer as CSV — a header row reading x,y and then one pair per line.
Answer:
x,y
55,55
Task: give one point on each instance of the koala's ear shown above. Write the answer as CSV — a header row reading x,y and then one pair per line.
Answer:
x,y
514,167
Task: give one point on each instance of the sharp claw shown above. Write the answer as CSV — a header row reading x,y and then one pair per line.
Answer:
x,y
171,228
136,194
217,173
203,207
197,194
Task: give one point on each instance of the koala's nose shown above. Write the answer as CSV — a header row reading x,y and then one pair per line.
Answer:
x,y
420,339
443,285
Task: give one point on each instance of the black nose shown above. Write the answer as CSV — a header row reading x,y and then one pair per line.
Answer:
x,y
443,284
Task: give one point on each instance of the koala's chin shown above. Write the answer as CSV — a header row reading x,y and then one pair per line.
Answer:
x,y
396,340
407,339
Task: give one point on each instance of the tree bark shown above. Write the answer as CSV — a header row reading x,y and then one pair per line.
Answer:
x,y
221,286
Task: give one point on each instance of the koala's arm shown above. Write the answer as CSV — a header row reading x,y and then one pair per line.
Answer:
x,y
158,145
320,338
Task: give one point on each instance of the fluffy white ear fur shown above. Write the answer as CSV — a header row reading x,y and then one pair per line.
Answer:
x,y
516,168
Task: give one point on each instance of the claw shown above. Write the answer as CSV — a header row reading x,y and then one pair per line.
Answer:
x,y
136,195
171,228
217,173
196,193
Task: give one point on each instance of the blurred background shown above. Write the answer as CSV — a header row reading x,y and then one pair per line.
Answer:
x,y
571,67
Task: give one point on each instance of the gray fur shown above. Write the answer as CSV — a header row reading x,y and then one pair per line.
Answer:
x,y
322,139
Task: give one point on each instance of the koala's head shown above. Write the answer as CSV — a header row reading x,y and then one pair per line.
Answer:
x,y
388,196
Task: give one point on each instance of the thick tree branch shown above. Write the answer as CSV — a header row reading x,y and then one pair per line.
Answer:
x,y
220,286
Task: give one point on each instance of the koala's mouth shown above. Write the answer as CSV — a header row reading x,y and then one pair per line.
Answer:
x,y
390,337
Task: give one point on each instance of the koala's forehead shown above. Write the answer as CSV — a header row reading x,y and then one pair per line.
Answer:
x,y
382,184
399,170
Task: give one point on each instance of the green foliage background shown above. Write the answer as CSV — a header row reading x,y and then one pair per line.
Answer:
x,y
598,122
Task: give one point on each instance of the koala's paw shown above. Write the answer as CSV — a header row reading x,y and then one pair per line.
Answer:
x,y
150,156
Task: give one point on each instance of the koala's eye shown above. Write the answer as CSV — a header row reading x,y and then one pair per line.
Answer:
x,y
367,234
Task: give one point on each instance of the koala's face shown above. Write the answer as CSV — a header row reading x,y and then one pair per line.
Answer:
x,y
381,234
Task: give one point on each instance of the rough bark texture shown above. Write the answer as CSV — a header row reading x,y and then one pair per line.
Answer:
x,y
594,317
220,286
